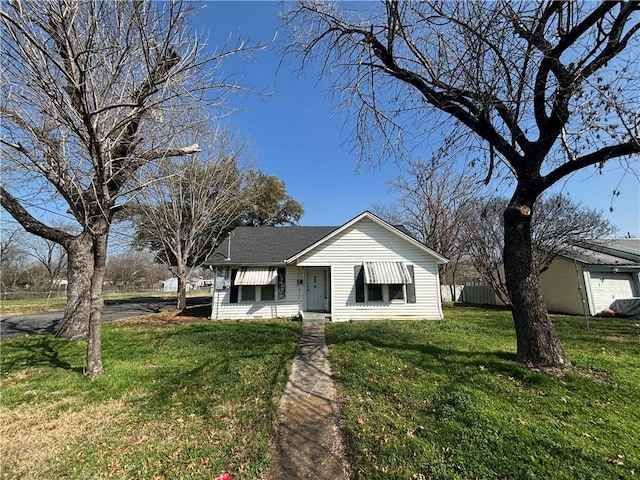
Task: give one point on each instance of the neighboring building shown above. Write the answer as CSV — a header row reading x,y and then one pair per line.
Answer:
x,y
364,269
171,285
587,277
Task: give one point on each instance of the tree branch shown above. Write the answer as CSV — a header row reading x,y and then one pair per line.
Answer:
x,y
600,156
32,225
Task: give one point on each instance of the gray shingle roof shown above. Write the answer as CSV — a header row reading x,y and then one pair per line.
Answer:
x,y
619,251
266,245
628,248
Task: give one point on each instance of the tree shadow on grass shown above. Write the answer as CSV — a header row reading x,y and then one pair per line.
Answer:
x,y
224,374
447,360
35,351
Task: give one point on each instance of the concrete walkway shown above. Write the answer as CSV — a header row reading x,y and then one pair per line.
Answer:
x,y
308,440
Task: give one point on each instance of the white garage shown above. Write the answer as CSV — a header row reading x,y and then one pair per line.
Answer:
x,y
587,277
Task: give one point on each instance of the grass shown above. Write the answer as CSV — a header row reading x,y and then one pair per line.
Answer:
x,y
421,400
186,401
445,400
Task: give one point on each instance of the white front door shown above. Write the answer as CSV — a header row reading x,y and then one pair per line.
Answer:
x,y
317,288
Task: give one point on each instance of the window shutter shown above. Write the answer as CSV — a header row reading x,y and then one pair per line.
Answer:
x,y
359,279
233,291
411,287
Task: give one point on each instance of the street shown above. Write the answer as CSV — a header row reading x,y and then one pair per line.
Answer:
x,y
45,322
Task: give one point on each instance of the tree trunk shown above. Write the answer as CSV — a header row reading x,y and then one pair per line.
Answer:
x,y
94,344
537,342
182,289
75,322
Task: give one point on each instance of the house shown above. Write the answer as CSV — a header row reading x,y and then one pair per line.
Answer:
x,y
590,275
364,269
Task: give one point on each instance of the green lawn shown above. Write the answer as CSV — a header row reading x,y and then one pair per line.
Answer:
x,y
422,400
445,400
185,401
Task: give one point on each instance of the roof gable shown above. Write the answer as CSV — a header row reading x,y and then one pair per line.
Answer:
x,y
368,215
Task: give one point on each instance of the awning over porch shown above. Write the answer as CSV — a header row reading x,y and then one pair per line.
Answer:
x,y
386,272
257,276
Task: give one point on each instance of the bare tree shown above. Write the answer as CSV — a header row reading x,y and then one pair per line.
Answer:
x,y
545,88
193,203
133,270
12,258
559,222
431,204
556,224
51,255
485,243
90,94
75,322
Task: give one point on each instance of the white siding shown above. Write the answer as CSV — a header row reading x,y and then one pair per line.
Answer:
x,y
368,241
290,307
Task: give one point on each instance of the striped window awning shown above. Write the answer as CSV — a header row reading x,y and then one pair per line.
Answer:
x,y
257,276
386,272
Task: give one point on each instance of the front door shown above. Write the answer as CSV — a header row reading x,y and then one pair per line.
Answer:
x,y
317,289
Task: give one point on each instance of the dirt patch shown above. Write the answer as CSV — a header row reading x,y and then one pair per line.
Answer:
x,y
165,319
594,375
622,338
557,372
31,436
200,311
561,373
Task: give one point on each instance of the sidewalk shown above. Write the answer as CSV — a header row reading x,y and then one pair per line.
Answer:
x,y
307,442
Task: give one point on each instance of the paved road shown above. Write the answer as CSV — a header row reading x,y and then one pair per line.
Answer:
x,y
45,322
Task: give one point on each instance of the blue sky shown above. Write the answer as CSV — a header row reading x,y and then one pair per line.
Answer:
x,y
295,136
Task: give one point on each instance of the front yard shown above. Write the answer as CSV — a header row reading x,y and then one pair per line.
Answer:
x,y
186,401
438,399
445,400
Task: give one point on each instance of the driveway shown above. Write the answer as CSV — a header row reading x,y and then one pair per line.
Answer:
x,y
45,322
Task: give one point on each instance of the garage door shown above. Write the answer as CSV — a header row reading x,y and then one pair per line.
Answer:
x,y
607,286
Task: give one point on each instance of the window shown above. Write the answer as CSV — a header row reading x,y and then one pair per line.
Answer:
x,y
384,282
396,291
267,293
374,292
247,293
251,284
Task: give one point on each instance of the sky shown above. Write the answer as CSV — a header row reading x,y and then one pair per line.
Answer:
x,y
292,131
297,135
